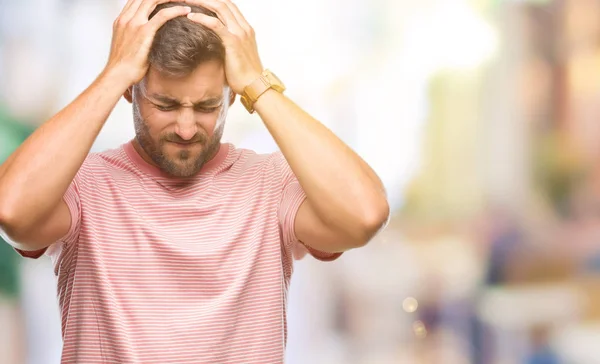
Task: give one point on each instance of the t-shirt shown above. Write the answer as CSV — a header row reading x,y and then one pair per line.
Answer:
x,y
156,270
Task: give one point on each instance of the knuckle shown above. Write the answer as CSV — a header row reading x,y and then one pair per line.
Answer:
x,y
214,23
119,22
130,26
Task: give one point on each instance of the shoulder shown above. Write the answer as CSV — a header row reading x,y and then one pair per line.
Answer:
x,y
106,163
258,169
249,160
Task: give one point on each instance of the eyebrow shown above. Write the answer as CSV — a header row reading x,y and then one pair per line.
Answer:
x,y
213,101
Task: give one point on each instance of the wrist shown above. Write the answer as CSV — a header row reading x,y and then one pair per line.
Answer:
x,y
116,77
248,79
265,82
266,99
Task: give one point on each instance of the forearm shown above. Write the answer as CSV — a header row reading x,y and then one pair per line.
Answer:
x,y
341,187
38,173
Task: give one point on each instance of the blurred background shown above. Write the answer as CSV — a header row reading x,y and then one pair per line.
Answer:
x,y
482,118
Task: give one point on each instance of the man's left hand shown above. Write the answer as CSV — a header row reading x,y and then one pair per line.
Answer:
x,y
242,62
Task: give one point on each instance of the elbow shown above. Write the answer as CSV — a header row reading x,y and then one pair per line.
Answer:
x,y
6,227
6,210
12,216
7,221
4,217
16,230
377,219
12,227
374,219
15,233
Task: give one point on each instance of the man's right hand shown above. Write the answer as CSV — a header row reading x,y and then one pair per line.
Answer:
x,y
133,35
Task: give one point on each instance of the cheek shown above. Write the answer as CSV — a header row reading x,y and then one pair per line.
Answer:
x,y
149,117
209,122
157,121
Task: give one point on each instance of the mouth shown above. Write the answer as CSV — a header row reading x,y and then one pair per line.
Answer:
x,y
184,144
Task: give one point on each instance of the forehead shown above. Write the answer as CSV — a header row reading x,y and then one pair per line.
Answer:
x,y
206,81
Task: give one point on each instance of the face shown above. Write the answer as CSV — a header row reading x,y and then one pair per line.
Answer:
x,y
179,121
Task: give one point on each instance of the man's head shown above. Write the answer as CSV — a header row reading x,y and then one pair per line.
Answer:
x,y
180,107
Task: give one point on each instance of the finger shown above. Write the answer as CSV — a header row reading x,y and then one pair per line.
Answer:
x,y
127,6
147,7
129,10
166,14
211,23
239,16
222,11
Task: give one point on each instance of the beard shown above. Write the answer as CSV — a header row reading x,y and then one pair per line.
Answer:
x,y
185,163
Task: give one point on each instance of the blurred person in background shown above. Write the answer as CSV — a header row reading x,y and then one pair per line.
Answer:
x,y
175,238
542,351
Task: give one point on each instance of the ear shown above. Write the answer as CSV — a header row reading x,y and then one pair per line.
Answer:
x,y
128,95
231,97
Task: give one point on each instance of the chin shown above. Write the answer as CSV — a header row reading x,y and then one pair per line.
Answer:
x,y
184,174
182,171
187,168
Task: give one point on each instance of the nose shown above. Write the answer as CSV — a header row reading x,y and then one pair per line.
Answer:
x,y
186,124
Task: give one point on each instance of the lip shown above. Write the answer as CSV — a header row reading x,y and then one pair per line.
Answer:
x,y
184,145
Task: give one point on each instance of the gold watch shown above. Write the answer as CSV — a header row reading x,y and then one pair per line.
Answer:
x,y
253,91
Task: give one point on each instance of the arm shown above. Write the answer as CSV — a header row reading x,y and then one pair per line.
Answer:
x,y
36,176
346,203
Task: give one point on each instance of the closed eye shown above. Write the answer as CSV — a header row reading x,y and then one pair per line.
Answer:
x,y
166,107
207,110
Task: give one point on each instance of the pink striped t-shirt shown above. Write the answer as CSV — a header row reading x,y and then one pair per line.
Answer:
x,y
155,270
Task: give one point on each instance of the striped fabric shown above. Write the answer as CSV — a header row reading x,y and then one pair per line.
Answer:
x,y
155,270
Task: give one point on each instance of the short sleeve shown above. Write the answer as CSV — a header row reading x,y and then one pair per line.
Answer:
x,y
292,197
72,199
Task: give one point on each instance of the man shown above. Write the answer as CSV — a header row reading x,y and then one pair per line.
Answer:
x,y
177,248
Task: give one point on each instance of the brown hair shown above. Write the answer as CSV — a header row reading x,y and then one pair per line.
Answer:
x,y
182,45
